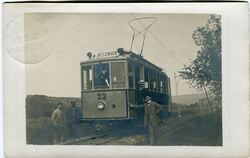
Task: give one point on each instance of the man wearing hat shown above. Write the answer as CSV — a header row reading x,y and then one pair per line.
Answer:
x,y
73,120
151,118
57,119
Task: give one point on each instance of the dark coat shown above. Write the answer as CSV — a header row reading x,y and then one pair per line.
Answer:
x,y
151,113
73,116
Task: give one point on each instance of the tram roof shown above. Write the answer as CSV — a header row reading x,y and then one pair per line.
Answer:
x,y
122,55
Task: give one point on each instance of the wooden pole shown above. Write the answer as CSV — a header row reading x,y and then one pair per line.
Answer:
x,y
208,100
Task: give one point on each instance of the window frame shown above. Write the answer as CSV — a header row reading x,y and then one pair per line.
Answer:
x,y
125,72
94,75
82,77
104,62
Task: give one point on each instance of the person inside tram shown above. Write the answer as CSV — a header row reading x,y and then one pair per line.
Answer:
x,y
101,76
104,77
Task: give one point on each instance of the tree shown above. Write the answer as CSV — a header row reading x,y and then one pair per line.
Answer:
x,y
205,70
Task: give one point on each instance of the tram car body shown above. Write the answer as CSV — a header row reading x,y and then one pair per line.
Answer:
x,y
115,84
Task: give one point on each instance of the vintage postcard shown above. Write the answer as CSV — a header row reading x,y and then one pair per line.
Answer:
x,y
126,80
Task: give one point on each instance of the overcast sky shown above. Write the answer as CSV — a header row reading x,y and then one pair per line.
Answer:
x,y
55,44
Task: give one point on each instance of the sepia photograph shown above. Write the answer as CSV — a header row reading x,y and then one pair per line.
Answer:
x,y
123,79
126,80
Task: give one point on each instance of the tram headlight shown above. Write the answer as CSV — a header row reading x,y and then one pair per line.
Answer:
x,y
100,105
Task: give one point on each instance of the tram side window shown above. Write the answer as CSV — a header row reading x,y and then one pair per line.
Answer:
x,y
164,86
151,81
158,83
101,76
146,74
154,82
87,77
161,84
141,72
131,75
118,76
137,74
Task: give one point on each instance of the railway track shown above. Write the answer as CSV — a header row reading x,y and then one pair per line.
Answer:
x,y
103,139
82,139
116,140
120,137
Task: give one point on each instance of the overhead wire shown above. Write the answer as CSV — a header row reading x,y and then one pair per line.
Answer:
x,y
163,45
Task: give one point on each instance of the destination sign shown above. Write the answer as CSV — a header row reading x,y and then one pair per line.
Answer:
x,y
107,54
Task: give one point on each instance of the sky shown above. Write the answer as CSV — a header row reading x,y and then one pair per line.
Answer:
x,y
56,43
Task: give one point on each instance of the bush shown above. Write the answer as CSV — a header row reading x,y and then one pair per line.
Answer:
x,y
43,106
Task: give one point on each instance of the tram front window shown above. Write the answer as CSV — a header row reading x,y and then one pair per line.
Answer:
x,y
87,77
101,76
118,76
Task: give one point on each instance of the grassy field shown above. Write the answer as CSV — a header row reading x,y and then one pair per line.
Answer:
x,y
193,130
40,131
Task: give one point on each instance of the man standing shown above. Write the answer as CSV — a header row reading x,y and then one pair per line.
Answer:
x,y
151,118
57,119
73,120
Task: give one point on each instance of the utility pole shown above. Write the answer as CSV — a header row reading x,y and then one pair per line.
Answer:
x,y
210,106
176,92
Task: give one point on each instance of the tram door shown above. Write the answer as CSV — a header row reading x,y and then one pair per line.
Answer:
x,y
139,75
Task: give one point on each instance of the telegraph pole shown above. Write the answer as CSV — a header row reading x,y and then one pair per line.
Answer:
x,y
176,92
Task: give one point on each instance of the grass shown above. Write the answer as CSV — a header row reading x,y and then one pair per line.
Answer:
x,y
194,130
40,131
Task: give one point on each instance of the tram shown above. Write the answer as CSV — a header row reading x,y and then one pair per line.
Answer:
x,y
114,85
